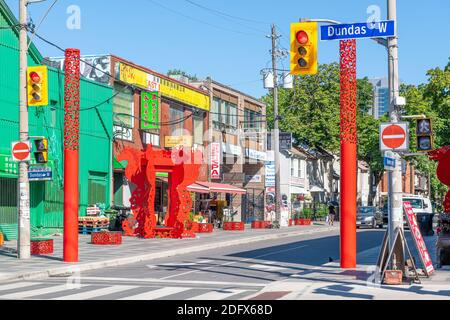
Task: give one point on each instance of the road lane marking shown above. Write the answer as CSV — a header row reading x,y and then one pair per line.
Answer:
x,y
266,267
18,285
95,293
36,292
156,294
217,295
232,262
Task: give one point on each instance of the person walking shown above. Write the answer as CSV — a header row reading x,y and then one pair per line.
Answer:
x,y
331,214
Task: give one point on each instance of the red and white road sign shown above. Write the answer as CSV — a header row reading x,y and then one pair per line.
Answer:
x,y
20,151
394,136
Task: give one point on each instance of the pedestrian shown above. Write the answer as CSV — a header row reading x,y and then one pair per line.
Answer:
x,y
331,214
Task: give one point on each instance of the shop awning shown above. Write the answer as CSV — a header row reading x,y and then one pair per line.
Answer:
x,y
207,187
196,187
222,187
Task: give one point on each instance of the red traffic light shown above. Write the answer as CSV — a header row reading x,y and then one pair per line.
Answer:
x,y
35,77
302,37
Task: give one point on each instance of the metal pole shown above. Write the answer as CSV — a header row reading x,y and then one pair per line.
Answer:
x,y
395,181
23,190
276,131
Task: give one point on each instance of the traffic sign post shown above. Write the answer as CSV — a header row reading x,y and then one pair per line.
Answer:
x,y
20,151
394,136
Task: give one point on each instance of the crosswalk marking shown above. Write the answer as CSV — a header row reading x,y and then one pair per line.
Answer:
x,y
36,292
155,294
17,285
217,294
95,293
266,267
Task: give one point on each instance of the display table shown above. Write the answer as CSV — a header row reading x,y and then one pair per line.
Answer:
x,y
260,224
41,246
233,226
106,238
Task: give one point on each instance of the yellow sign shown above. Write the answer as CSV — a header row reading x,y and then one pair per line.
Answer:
x,y
184,94
138,77
175,141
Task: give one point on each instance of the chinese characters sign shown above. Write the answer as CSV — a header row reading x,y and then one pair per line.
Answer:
x,y
418,240
181,93
138,77
149,110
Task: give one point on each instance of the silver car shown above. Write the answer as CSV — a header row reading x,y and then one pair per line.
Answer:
x,y
369,217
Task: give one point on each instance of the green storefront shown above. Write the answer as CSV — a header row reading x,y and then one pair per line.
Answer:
x,y
95,140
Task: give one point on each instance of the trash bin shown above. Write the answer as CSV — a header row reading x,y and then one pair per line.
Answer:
x,y
425,222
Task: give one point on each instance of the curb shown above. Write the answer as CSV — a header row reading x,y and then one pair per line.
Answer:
x,y
69,270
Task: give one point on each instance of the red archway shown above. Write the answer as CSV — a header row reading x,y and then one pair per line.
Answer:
x,y
183,166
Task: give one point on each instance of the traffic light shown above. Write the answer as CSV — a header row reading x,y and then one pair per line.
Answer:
x,y
41,153
37,86
304,40
424,134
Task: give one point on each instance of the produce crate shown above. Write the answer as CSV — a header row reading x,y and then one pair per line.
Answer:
x,y
393,277
233,226
89,230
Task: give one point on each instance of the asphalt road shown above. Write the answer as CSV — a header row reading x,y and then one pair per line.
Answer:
x,y
229,273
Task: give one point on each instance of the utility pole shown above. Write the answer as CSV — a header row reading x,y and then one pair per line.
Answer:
x,y
395,176
276,131
23,188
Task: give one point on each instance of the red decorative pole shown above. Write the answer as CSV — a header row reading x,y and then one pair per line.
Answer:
x,y
348,153
71,146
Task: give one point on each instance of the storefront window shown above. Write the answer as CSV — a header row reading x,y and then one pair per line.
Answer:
x,y
176,114
123,106
198,129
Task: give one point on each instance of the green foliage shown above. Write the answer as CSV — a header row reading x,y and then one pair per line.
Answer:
x,y
173,72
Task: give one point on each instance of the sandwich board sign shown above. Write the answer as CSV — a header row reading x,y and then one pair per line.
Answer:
x,y
418,239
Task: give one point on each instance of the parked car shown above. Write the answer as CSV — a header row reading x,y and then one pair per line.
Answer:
x,y
369,217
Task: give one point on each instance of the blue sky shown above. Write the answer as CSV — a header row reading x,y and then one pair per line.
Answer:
x,y
166,34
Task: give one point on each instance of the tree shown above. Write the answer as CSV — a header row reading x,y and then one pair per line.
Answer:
x,y
178,72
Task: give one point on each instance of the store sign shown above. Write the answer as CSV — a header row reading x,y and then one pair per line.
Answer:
x,y
418,239
270,174
8,165
175,141
95,68
232,149
149,110
138,77
255,154
184,94
215,160
253,179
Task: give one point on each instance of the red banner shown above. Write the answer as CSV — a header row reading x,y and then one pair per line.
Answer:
x,y
418,239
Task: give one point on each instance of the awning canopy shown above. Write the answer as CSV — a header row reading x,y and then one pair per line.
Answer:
x,y
222,187
207,187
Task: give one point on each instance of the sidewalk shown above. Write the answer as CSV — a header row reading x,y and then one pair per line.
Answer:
x,y
134,250
330,282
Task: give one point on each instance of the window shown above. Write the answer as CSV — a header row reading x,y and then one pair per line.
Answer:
x,y
224,112
118,189
299,169
176,114
252,119
198,129
150,138
123,106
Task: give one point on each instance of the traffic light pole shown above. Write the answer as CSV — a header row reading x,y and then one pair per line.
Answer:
x,y
276,131
23,188
395,208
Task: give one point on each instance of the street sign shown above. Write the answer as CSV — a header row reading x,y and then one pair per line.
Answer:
x,y
40,174
20,151
418,239
394,136
285,141
389,161
358,30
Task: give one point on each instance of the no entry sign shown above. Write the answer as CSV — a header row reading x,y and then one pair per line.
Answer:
x,y
20,151
394,136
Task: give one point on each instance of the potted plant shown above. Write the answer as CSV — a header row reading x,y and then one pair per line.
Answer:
x,y
305,218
